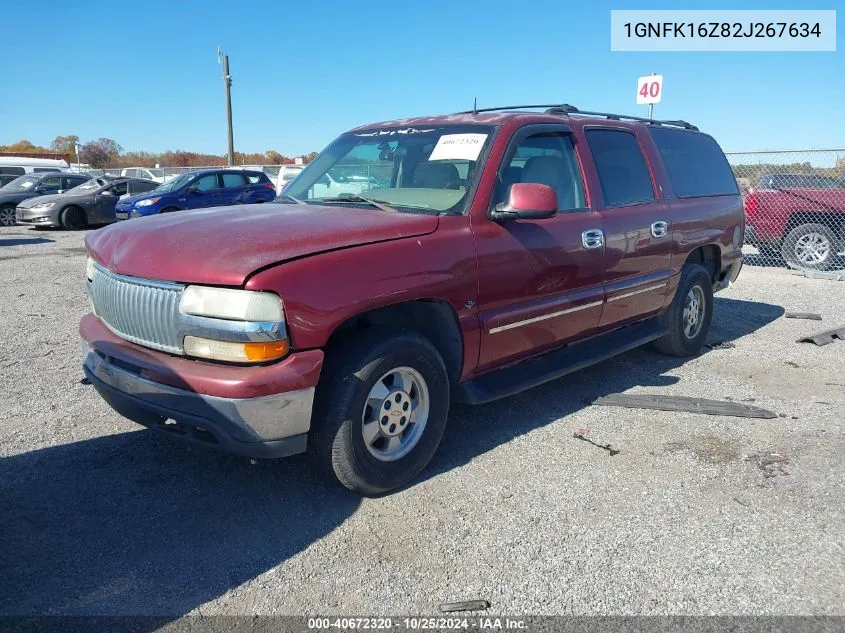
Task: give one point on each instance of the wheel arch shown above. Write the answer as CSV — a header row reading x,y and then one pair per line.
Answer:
x,y
834,221
435,319
710,257
60,213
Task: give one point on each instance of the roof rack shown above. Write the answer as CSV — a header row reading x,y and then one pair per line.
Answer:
x,y
566,109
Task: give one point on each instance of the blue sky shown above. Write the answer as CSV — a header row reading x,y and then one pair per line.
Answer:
x,y
145,74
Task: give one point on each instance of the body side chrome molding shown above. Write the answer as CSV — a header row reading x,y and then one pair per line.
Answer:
x,y
509,326
637,292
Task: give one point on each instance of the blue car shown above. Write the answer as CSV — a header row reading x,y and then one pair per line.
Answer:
x,y
200,190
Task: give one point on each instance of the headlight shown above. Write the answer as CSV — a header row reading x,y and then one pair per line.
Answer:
x,y
43,205
236,305
253,352
147,202
89,269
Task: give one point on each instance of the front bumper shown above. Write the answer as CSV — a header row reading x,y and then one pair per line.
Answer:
x,y
268,425
38,218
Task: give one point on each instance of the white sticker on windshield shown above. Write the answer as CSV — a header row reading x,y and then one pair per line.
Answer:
x,y
458,147
27,185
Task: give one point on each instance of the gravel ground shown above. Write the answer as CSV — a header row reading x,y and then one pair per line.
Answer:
x,y
101,517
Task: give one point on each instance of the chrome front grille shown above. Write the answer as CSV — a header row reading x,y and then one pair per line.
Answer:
x,y
140,310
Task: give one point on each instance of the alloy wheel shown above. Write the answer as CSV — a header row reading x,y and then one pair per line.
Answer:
x,y
693,316
7,216
812,248
395,414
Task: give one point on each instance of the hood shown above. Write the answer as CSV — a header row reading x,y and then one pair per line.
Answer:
x,y
223,246
51,197
16,196
143,196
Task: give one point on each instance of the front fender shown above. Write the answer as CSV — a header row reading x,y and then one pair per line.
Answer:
x,y
323,291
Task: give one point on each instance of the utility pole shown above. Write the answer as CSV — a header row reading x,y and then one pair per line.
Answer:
x,y
651,106
227,82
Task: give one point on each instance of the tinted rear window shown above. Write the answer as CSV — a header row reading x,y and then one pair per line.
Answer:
x,y
694,163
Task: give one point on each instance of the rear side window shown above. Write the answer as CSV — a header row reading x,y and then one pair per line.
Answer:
x,y
622,169
694,163
16,171
71,182
253,179
232,180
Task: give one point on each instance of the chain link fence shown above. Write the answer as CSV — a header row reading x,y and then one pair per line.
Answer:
x,y
794,207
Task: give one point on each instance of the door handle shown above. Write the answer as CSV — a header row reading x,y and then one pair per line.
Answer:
x,y
659,229
592,238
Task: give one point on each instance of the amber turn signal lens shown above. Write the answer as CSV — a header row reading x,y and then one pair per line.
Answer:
x,y
252,352
258,352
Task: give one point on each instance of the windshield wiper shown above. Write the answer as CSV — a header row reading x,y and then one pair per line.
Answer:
x,y
378,204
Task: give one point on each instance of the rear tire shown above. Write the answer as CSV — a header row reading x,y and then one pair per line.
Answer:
x,y
811,246
688,318
7,216
380,410
72,218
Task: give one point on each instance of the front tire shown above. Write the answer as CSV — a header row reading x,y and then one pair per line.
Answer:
x,y
688,318
810,246
7,216
72,218
380,410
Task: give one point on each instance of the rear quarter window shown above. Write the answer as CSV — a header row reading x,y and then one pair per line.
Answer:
x,y
694,162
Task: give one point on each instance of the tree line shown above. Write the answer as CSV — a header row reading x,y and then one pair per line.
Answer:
x,y
105,153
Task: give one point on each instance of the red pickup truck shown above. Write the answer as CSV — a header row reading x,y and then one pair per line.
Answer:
x,y
452,258
799,216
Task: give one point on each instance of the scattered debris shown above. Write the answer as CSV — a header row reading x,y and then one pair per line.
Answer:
x,y
792,363
469,605
772,464
818,274
84,381
742,503
826,337
810,316
581,436
720,345
683,403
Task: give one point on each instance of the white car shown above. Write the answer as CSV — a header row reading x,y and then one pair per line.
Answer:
x,y
147,173
286,174
330,187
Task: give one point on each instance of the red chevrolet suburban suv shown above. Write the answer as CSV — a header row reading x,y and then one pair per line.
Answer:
x,y
453,258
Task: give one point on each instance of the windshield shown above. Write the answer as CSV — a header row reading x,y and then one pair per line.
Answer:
x,y
176,183
22,183
88,186
427,168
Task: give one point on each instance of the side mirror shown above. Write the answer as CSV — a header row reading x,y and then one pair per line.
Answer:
x,y
527,201
106,192
192,189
